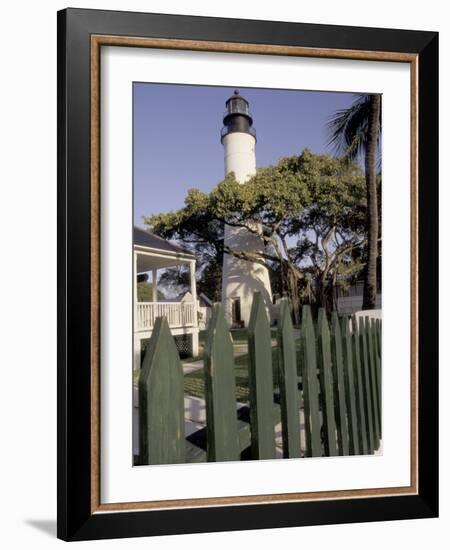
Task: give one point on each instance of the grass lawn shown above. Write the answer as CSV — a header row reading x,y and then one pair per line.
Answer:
x,y
239,337
194,382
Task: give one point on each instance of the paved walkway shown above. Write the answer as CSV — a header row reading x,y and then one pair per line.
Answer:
x,y
193,366
195,419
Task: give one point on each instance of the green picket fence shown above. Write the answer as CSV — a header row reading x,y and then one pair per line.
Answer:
x,y
336,394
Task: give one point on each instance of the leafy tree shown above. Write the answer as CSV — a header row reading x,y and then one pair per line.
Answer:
x,y
175,280
355,132
306,209
331,231
262,206
210,280
145,292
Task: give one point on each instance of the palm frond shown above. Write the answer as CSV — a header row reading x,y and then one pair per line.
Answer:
x,y
347,128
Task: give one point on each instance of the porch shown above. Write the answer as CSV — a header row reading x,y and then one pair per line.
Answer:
x,y
178,314
151,255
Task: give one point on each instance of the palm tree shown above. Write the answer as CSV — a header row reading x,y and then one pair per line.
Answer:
x,y
355,132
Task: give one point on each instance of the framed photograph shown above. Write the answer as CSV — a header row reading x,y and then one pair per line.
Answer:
x,y
247,259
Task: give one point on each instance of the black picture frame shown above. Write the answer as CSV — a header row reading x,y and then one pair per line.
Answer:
x,y
76,521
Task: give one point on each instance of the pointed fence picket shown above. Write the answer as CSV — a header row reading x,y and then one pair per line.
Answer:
x,y
338,390
373,382
288,381
260,379
310,385
361,405
378,332
161,400
326,386
340,402
367,386
377,358
220,391
350,388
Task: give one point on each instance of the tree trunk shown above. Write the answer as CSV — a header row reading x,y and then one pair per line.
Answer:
x,y
370,282
293,291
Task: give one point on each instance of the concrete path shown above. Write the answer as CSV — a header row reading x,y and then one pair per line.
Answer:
x,y
192,367
195,419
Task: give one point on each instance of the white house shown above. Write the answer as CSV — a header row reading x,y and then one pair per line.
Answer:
x,y
351,300
152,253
205,310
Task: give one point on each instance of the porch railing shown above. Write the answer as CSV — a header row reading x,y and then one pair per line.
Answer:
x,y
178,314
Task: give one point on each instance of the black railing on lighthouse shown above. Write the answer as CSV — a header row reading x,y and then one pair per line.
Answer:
x,y
229,130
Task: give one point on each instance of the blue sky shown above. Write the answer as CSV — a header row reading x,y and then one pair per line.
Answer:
x,y
177,136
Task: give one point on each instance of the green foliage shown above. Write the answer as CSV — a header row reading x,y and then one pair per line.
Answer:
x,y
348,128
176,280
145,292
210,279
308,209
355,134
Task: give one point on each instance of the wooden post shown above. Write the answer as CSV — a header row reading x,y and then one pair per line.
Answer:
x,y
260,382
135,296
220,391
194,299
154,285
326,385
287,368
193,284
310,385
136,340
161,400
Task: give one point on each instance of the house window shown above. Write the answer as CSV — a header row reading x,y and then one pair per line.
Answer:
x,y
236,311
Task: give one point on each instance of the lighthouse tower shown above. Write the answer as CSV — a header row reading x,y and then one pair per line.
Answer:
x,y
241,278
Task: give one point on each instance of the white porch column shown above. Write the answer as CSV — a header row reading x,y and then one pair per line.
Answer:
x,y
136,340
193,282
194,298
154,285
135,281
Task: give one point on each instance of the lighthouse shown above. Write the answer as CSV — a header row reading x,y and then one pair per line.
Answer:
x,y
241,278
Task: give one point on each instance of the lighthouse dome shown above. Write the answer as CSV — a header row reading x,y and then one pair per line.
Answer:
x,y
237,117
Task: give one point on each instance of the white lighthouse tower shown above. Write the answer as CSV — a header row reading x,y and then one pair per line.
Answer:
x,y
241,278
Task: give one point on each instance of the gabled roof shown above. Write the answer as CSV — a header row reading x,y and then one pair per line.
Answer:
x,y
147,239
180,297
205,300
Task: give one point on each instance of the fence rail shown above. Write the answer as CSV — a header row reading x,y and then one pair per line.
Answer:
x,y
332,394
